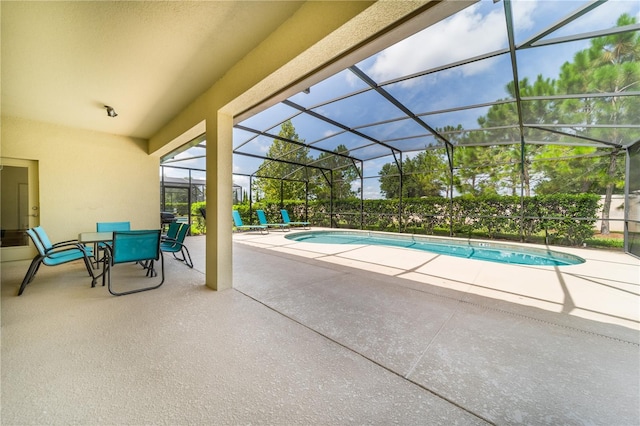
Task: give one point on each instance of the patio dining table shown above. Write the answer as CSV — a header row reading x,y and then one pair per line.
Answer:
x,y
95,237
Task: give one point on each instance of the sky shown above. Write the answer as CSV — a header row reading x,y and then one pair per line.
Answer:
x,y
476,30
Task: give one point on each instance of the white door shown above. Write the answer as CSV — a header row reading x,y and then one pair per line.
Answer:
x,y
19,207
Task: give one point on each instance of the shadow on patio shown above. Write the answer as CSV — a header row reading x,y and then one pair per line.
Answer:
x,y
312,338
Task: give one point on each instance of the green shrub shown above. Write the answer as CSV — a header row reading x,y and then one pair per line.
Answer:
x,y
604,242
557,219
198,224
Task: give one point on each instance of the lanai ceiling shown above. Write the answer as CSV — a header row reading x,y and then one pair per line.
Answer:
x,y
62,61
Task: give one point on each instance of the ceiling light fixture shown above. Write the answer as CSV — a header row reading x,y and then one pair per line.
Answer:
x,y
110,111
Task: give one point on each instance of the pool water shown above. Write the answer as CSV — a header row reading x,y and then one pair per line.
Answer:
x,y
480,250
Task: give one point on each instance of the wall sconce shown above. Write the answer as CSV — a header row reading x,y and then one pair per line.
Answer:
x,y
110,111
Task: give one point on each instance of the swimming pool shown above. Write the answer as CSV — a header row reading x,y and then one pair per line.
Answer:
x,y
480,250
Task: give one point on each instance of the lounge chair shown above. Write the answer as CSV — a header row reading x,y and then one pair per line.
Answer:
x,y
173,243
54,254
237,222
262,218
285,219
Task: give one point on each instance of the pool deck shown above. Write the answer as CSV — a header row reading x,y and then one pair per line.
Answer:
x,y
327,335
505,344
606,288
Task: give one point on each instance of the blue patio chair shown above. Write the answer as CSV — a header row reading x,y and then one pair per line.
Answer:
x,y
172,232
262,218
135,246
173,243
285,219
237,222
54,254
113,226
109,227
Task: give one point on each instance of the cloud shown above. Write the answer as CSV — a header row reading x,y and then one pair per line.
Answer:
x,y
524,12
243,181
351,80
444,43
263,146
604,16
330,132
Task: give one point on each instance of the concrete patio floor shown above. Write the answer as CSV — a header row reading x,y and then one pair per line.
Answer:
x,y
331,335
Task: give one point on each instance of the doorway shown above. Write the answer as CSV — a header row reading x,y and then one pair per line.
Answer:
x,y
19,207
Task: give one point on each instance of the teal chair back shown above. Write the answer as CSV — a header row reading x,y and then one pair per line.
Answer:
x,y
177,240
237,220
262,218
142,247
135,246
285,216
176,245
110,227
113,226
37,241
182,233
172,232
44,238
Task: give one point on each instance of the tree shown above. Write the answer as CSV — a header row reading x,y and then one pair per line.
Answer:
x,y
504,170
276,176
474,174
428,174
618,70
423,175
570,170
390,181
344,172
492,160
610,66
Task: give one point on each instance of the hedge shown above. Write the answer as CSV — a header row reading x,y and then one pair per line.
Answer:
x,y
565,219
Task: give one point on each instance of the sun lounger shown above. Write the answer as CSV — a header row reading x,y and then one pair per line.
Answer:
x,y
237,222
262,218
285,219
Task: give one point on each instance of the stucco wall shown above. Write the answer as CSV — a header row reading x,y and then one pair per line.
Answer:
x,y
616,213
86,177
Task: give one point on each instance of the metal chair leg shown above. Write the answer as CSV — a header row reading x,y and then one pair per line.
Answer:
x,y
31,273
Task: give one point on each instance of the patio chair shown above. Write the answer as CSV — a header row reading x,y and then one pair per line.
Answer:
x,y
262,218
113,226
109,227
54,254
141,247
285,219
172,232
173,243
237,222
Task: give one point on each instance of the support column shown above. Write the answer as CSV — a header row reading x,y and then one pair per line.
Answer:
x,y
219,275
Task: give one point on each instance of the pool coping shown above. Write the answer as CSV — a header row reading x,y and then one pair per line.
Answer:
x,y
559,257
606,288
